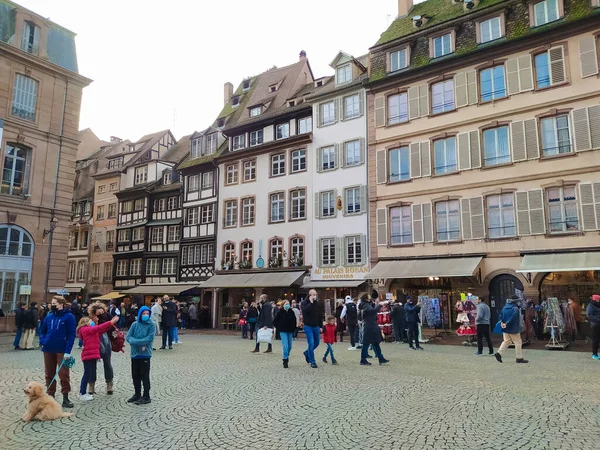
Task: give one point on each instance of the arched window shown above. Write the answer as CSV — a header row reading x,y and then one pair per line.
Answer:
x,y
276,253
246,249
228,251
16,257
296,250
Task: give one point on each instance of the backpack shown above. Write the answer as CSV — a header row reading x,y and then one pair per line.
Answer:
x,y
117,342
351,312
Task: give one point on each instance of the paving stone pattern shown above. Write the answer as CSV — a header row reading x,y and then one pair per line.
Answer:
x,y
212,393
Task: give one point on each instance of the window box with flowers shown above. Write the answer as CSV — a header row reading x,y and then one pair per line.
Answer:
x,y
245,264
277,260
296,261
228,264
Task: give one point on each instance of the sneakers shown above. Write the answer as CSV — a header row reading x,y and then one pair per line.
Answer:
x,y
351,348
478,354
134,399
86,397
369,356
498,357
305,353
365,363
522,361
142,401
383,361
324,360
333,362
314,366
596,357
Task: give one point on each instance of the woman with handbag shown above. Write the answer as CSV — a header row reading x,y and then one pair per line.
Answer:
x,y
285,322
242,322
251,318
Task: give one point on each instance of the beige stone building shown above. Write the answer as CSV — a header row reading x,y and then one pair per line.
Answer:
x,y
40,98
484,151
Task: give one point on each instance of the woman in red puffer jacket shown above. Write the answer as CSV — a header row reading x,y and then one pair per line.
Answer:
x,y
90,333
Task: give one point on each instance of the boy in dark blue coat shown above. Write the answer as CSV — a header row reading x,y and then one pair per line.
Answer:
x,y
510,321
140,338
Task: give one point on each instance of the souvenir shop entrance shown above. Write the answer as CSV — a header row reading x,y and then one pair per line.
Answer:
x,y
502,287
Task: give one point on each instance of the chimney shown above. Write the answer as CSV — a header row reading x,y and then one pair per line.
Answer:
x,y
404,7
227,92
302,55
114,139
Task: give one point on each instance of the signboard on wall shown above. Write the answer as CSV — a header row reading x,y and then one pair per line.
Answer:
x,y
25,289
339,273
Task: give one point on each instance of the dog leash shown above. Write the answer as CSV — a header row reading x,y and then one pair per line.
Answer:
x,y
70,362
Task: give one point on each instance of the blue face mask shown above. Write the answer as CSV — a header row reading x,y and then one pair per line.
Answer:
x,y
286,307
145,318
92,323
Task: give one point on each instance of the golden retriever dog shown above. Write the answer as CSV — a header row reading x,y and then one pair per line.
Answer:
x,y
40,405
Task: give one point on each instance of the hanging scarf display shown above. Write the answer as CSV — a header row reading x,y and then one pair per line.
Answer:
x,y
554,315
570,324
430,312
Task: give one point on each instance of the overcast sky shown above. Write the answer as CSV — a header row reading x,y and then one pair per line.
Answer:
x,y
162,64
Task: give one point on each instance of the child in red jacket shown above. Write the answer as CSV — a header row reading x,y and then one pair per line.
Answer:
x,y
329,338
90,334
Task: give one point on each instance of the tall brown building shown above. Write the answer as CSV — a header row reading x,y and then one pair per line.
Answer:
x,y
40,99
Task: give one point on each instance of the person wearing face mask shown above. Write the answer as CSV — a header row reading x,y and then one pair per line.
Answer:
x,y
312,326
140,337
97,312
57,335
90,333
285,321
265,320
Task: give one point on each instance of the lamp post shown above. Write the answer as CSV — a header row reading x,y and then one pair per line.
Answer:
x,y
53,223
49,232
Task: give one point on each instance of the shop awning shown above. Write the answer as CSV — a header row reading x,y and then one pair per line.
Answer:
x,y
160,289
422,268
132,225
74,287
560,262
253,280
156,223
332,284
110,296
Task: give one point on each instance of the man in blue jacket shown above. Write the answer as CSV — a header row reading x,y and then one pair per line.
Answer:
x,y
141,337
411,311
510,321
57,336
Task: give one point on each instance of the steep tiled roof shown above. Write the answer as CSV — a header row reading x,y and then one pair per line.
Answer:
x,y
165,187
329,86
438,11
148,141
178,151
204,159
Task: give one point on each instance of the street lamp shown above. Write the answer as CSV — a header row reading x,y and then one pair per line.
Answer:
x,y
53,224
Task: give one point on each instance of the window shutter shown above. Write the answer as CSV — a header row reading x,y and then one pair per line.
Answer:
x,y
318,255
424,100
536,211
380,110
340,253
531,139
318,208
523,225
594,117
464,151
425,159
415,160
336,105
589,195
427,223
581,129
465,213
381,166
340,155
36,40
517,133
335,196
26,174
361,103
341,103
525,73
363,249
477,218
512,76
336,159
460,89
363,199
475,149
381,216
588,56
417,223
363,149
413,103
317,114
556,55
472,87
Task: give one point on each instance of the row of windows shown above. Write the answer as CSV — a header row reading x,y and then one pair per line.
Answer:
x,y
347,154
167,204
347,250
140,175
77,270
131,234
133,205
200,181
113,187
247,205
282,131
204,145
276,252
192,255
157,234
558,134
107,272
79,240
353,202
81,208
556,210
277,167
111,211
200,215
547,68
339,109
154,266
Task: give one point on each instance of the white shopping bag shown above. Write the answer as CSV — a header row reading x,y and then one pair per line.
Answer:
x,y
264,336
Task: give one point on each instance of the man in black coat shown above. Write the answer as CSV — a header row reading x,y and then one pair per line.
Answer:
x,y
411,311
169,321
19,317
399,322
265,321
30,320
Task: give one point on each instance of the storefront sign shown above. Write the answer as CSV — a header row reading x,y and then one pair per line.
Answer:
x,y
25,289
388,296
339,273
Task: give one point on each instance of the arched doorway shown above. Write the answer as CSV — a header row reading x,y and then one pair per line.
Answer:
x,y
16,260
502,287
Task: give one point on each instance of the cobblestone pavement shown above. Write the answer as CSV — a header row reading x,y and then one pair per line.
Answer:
x,y
211,393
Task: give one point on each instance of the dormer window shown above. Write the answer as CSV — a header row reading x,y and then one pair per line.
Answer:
x,y
167,178
292,103
220,123
239,142
273,88
30,41
115,163
235,101
255,111
246,85
211,144
196,148
318,83
344,74
398,60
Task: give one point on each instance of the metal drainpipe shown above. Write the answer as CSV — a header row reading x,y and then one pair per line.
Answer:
x,y
52,213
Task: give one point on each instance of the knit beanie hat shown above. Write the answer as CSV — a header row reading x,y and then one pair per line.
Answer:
x,y
596,297
374,294
514,299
